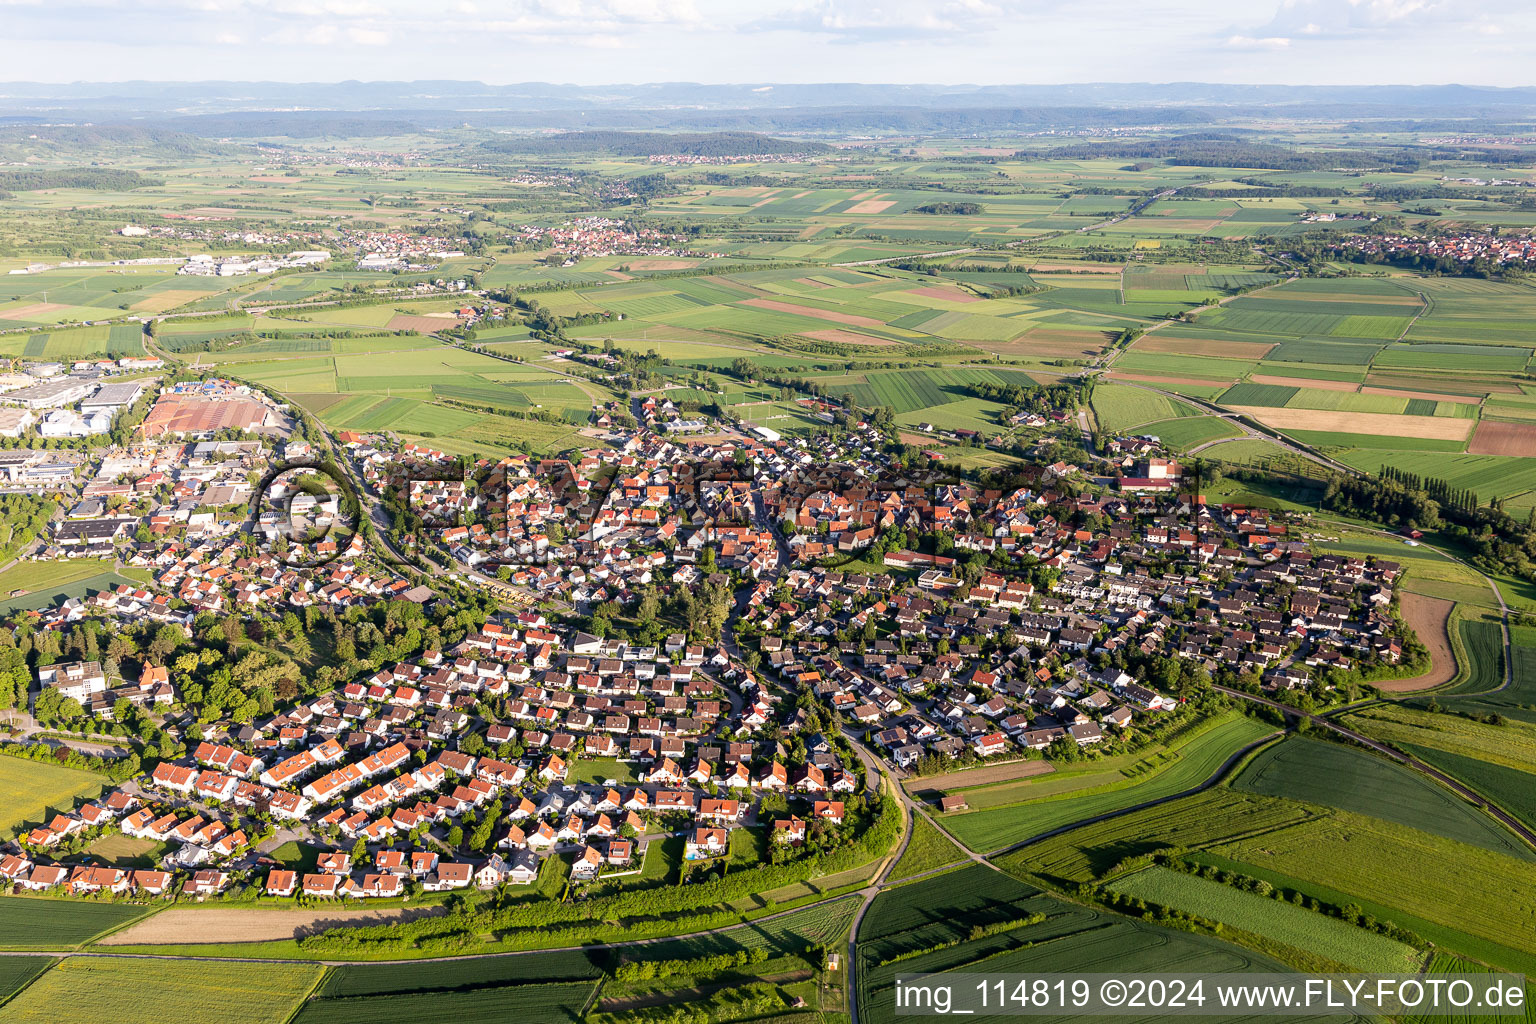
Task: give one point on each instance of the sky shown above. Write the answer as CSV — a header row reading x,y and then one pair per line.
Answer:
x,y
595,42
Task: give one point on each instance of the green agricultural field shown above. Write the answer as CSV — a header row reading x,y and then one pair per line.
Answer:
x,y
928,849
1383,328
1345,944
1480,644
33,791
1452,358
1351,779
132,991
1205,367
928,926
1459,897
393,978
42,922
1197,761
976,414
912,390
1344,353
1190,431
940,909
1496,760
1444,963
1248,393
16,971
552,1003
550,988
1489,475
1119,407
1349,401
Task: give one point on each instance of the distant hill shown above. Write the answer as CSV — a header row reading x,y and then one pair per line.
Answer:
x,y
654,144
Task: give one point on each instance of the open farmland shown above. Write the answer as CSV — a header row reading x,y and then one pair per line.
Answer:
x,y
1430,619
926,927
1443,890
1350,779
45,923
1497,761
16,971
1119,407
33,791
1189,431
1196,761
1444,963
134,991
1301,929
535,1003
1493,438
928,849
1321,421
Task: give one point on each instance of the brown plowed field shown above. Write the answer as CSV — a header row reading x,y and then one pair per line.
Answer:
x,y
1152,378
1494,438
947,294
951,781
1380,423
659,264
816,314
1202,347
31,311
183,925
1046,342
847,338
1403,393
1428,616
421,322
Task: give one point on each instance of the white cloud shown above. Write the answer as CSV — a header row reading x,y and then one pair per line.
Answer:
x,y
1364,18
1241,42
857,21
